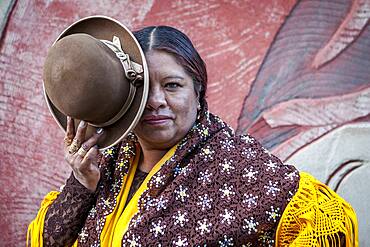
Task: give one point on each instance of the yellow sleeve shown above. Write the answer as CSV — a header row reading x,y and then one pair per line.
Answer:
x,y
317,216
36,227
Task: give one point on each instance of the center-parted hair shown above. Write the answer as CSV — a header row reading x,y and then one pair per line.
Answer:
x,y
175,42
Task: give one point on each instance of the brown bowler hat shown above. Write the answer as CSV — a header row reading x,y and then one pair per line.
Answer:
x,y
96,71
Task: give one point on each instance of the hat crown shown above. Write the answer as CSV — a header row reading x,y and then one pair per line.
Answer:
x,y
96,71
84,79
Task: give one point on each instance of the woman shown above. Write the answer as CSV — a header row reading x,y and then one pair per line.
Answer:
x,y
183,178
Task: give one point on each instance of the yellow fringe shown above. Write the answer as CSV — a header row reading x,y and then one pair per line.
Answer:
x,y
36,227
317,216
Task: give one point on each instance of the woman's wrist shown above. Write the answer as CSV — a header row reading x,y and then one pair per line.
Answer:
x,y
82,182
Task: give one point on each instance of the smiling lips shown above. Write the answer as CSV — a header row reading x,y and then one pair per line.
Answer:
x,y
156,119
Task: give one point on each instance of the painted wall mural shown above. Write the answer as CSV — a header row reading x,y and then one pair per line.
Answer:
x,y
295,74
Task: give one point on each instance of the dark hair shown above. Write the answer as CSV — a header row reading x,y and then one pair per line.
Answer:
x,y
175,42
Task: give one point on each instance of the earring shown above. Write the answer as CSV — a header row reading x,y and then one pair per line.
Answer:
x,y
199,107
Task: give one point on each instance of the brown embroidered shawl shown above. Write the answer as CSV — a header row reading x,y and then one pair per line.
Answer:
x,y
218,189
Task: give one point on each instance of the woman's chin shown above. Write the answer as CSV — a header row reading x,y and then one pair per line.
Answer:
x,y
161,140
157,138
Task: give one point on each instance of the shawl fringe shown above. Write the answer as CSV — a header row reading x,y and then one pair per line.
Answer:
x,y
317,216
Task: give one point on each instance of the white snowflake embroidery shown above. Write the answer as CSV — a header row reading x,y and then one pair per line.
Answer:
x,y
158,228
227,217
92,212
271,166
106,204
177,170
227,191
107,173
205,202
185,170
181,193
226,242
109,152
207,153
149,202
158,180
123,164
247,245
83,235
250,225
180,218
203,131
247,139
115,186
250,200
267,239
226,166
136,221
271,188
134,241
291,176
273,214
204,226
161,203
180,241
250,174
205,177
249,153
227,144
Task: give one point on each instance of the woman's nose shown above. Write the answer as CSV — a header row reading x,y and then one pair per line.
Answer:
x,y
156,98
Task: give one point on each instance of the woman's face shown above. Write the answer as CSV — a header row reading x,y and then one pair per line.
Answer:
x,y
171,108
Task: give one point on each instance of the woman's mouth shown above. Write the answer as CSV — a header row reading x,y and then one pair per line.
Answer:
x,y
156,119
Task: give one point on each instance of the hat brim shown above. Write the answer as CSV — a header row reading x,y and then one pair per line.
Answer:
x,y
102,27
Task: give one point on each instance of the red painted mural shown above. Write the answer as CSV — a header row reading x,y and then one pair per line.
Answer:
x,y
294,74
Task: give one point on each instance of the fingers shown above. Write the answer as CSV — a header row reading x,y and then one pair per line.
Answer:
x,y
89,161
91,142
91,156
81,131
87,172
70,132
83,159
78,138
94,139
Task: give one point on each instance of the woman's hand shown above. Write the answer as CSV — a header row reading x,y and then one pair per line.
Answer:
x,y
82,155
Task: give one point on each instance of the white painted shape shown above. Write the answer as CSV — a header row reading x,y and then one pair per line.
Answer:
x,y
322,157
355,189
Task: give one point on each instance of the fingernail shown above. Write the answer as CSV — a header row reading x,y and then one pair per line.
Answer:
x,y
68,118
99,131
82,124
96,146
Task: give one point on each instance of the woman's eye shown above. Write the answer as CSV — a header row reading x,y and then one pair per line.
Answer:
x,y
172,85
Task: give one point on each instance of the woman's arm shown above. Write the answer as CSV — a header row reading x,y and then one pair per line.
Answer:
x,y
66,216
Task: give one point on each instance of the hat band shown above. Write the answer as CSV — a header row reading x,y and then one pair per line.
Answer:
x,y
132,71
